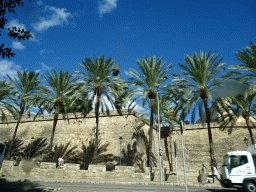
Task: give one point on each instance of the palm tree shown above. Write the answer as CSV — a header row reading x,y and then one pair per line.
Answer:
x,y
231,109
62,86
199,77
153,75
69,154
6,91
28,90
248,58
97,82
168,118
81,105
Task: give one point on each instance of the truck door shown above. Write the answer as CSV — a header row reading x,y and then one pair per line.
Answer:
x,y
239,168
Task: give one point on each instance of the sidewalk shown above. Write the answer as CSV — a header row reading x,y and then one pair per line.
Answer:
x,y
115,182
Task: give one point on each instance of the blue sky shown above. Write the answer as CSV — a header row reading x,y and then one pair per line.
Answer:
x,y
67,31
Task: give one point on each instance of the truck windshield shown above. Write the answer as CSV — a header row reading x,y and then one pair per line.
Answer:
x,y
225,160
1,149
238,160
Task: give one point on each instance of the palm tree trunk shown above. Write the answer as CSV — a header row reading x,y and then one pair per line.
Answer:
x,y
56,115
206,106
150,133
249,129
97,106
171,168
17,126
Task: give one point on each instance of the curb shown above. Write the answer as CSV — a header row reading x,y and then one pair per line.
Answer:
x,y
118,182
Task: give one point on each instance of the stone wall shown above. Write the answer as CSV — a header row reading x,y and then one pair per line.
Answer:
x,y
79,130
76,129
196,144
71,171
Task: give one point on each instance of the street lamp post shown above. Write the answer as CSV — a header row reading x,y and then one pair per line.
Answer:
x,y
120,139
183,154
30,148
159,139
175,155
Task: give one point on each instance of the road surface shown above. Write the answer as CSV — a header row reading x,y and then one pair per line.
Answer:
x,y
131,188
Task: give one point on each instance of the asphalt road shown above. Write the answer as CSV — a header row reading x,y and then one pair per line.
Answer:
x,y
134,188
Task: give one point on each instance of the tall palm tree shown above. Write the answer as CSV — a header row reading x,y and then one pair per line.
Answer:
x,y
63,86
28,90
97,81
243,105
168,118
248,59
154,74
200,75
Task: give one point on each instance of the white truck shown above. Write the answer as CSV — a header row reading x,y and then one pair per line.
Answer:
x,y
2,151
238,171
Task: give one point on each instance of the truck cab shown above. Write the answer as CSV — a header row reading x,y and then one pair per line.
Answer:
x,y
2,152
238,171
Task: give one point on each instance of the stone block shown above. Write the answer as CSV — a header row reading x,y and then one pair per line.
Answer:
x,y
7,163
82,174
156,171
147,170
70,166
124,169
47,165
97,168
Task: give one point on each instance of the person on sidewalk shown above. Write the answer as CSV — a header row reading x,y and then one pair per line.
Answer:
x,y
203,174
62,162
214,173
59,162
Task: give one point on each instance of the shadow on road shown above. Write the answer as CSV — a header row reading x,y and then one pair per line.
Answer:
x,y
222,190
19,186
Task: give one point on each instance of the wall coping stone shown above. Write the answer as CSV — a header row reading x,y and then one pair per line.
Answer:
x,y
7,163
70,166
47,165
124,169
97,168
27,118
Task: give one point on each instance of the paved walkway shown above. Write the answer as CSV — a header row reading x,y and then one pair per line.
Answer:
x,y
115,182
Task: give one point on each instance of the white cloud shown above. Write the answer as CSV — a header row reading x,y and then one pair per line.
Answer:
x,y
39,2
8,67
15,23
18,45
137,107
33,38
44,68
45,52
58,17
107,6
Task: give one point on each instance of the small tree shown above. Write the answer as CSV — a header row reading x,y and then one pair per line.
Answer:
x,y
15,32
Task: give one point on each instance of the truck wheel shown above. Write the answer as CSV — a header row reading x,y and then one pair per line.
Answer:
x,y
249,186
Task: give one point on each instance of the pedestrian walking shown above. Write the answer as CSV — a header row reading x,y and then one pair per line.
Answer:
x,y
214,173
